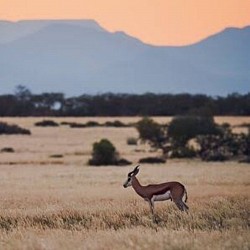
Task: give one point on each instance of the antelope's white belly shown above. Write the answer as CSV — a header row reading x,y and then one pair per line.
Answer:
x,y
162,197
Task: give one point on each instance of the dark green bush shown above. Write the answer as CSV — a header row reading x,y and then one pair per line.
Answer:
x,y
7,150
152,160
224,146
92,124
132,141
104,153
77,125
56,156
47,123
12,129
116,123
183,152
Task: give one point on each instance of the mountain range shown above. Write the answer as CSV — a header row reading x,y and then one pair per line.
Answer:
x,y
80,57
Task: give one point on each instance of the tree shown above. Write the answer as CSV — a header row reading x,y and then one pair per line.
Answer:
x,y
173,139
183,128
22,93
152,132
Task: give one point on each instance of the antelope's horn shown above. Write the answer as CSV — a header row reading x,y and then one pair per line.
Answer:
x,y
136,169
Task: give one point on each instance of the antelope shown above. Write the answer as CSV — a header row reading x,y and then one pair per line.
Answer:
x,y
173,190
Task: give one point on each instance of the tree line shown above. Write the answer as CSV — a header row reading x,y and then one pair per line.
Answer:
x,y
24,103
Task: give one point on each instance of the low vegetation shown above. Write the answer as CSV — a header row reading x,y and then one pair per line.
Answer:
x,y
116,123
152,160
214,142
211,215
132,141
7,150
47,123
10,129
104,153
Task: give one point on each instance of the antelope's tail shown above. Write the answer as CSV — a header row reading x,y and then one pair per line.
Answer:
x,y
185,192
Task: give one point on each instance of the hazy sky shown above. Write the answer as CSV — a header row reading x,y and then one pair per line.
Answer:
x,y
162,22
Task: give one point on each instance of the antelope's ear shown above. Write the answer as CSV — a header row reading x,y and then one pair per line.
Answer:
x,y
136,170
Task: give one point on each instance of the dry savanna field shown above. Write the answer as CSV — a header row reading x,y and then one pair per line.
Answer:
x,y
62,203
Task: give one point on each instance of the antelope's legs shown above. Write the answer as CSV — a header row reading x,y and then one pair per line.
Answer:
x,y
151,205
181,205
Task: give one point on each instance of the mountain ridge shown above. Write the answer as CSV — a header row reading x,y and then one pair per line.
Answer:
x,y
66,57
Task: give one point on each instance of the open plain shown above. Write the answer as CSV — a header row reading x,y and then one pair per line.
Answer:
x,y
62,203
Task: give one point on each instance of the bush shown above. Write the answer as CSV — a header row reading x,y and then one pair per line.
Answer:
x,y
77,125
152,160
12,129
7,150
104,153
123,162
215,156
92,124
117,124
224,147
56,156
132,141
246,159
183,152
47,123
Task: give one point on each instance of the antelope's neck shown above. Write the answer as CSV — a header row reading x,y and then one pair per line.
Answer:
x,y
137,187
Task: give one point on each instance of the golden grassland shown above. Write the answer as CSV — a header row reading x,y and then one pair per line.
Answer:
x,y
61,203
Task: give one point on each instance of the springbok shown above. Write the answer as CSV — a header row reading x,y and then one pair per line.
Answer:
x,y
158,192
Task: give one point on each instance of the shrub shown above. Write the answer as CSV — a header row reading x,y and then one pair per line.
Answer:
x,y
56,156
183,152
104,153
213,155
223,147
132,141
246,159
7,150
116,123
12,129
47,123
92,124
74,124
152,160
77,125
123,162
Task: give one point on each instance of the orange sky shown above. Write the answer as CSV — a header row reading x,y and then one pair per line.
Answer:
x,y
161,22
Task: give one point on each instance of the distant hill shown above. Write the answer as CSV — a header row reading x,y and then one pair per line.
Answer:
x,y
79,56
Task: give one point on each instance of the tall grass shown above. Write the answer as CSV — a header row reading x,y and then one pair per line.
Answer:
x,y
50,204
221,214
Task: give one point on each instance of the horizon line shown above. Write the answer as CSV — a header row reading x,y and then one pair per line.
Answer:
x,y
140,39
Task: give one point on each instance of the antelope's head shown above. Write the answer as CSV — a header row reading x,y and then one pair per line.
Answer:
x,y
131,174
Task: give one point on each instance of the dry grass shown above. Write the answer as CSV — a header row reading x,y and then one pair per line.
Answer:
x,y
48,203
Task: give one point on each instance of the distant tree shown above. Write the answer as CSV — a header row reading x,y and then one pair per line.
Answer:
x,y
24,103
22,93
